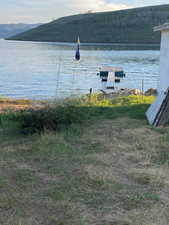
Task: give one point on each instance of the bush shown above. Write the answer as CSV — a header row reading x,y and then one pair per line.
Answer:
x,y
49,118
75,111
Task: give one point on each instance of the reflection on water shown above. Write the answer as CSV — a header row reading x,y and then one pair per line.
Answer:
x,y
44,70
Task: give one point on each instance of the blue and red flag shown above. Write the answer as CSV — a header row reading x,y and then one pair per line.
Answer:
x,y
77,55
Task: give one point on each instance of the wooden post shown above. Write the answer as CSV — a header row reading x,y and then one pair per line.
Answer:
x,y
90,93
142,88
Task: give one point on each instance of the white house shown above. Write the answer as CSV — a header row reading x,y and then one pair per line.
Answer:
x,y
156,108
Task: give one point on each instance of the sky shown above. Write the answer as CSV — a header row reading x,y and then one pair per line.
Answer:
x,y
35,11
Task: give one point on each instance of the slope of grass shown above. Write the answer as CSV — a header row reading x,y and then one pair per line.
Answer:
x,y
103,169
77,111
124,26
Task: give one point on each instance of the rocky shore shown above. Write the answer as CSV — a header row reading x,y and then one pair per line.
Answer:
x,y
7,104
128,91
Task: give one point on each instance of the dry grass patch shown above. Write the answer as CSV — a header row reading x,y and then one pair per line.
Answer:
x,y
7,104
15,105
107,173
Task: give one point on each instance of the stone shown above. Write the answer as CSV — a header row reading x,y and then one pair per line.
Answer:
x,y
150,92
135,92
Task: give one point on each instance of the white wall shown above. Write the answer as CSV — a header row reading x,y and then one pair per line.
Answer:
x,y
164,62
163,79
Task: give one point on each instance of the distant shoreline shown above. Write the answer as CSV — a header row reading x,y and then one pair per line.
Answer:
x,y
90,44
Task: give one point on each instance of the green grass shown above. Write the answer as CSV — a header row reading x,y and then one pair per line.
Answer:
x,y
102,167
84,109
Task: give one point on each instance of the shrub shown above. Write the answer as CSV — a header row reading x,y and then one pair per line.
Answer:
x,y
75,111
49,118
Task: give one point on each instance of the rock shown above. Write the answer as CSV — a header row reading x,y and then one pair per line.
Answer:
x,y
150,92
135,92
123,92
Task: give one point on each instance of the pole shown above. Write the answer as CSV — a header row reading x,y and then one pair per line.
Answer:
x,y
58,75
142,88
90,93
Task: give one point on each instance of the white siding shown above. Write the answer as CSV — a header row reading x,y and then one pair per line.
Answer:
x,y
155,107
164,62
164,77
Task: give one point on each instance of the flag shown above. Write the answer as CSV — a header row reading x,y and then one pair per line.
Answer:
x,y
77,55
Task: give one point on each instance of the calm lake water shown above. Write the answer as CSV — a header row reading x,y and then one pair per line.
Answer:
x,y
48,70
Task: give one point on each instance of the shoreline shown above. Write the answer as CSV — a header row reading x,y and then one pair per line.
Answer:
x,y
87,43
15,104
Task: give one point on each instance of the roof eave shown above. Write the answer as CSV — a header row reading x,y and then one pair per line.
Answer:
x,y
163,27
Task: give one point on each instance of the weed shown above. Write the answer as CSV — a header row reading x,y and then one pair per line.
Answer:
x,y
133,200
161,157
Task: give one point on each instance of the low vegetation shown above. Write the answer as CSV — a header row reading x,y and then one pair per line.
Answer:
x,y
89,161
93,108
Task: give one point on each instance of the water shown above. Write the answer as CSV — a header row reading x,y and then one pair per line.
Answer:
x,y
45,70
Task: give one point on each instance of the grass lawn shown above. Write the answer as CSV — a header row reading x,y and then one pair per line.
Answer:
x,y
106,166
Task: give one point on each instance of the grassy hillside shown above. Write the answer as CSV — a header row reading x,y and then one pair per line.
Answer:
x,y
106,166
124,26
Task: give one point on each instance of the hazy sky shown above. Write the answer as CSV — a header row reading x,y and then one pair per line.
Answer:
x,y
33,11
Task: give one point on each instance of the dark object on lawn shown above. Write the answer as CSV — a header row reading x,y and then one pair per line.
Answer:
x,y
151,92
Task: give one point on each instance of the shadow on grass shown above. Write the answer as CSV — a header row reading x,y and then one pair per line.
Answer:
x,y
55,118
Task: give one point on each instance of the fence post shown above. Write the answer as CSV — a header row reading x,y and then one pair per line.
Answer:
x,y
142,88
90,93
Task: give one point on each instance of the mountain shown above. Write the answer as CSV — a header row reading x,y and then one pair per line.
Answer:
x,y
123,26
7,30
